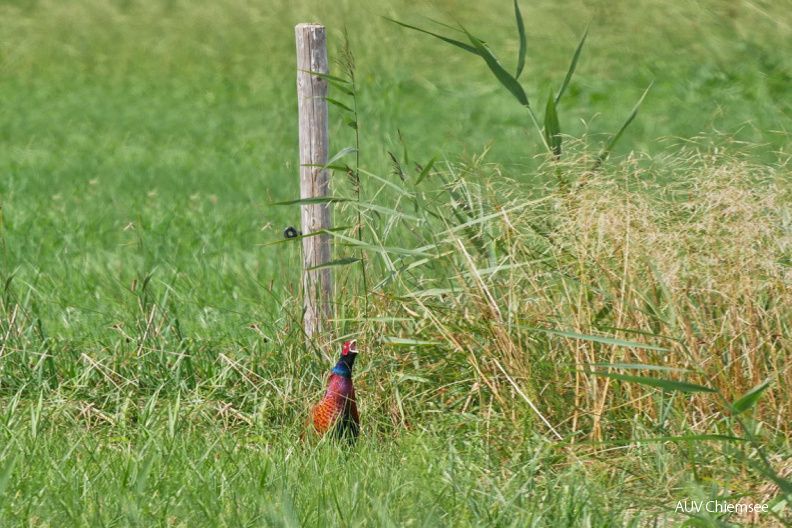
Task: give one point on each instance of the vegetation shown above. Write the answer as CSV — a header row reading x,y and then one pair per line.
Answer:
x,y
584,350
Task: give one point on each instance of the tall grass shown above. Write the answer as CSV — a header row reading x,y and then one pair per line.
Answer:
x,y
490,313
179,467
671,268
617,312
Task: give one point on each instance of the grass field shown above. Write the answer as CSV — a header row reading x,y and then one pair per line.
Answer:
x,y
152,367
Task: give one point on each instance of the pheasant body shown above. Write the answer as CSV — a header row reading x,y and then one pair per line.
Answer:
x,y
337,412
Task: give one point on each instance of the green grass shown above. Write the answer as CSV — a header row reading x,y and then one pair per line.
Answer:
x,y
152,367
183,468
118,118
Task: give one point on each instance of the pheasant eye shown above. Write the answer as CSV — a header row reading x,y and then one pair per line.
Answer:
x,y
345,351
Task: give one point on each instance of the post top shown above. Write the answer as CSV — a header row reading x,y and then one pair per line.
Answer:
x,y
309,25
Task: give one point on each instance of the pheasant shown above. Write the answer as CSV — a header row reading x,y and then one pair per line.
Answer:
x,y
337,412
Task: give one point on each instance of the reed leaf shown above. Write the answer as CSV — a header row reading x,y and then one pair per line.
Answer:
x,y
406,342
339,104
461,45
660,439
552,128
335,263
666,384
317,200
596,339
425,171
605,152
572,66
328,77
637,366
751,398
339,83
505,78
523,40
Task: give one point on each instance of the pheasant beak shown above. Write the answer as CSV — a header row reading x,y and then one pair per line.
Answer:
x,y
350,347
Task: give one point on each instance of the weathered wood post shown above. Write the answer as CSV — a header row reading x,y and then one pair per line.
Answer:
x,y
314,182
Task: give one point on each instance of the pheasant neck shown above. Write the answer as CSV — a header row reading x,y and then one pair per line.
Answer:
x,y
342,370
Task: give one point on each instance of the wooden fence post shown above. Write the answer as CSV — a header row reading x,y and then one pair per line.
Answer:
x,y
314,182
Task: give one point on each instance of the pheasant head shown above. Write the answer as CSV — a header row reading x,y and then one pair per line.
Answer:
x,y
348,354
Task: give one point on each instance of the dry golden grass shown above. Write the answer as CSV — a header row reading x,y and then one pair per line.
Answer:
x,y
699,267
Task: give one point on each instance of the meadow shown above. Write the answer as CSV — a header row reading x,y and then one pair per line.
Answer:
x,y
544,344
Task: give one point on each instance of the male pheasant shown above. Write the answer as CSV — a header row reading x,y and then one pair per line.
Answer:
x,y
337,412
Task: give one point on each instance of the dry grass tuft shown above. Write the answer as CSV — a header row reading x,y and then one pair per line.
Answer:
x,y
699,267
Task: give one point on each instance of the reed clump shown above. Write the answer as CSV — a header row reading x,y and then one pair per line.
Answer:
x,y
545,301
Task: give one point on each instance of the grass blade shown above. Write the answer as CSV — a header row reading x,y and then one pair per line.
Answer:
x,y
596,339
665,384
750,398
432,292
486,218
572,67
443,24
338,82
389,319
335,263
637,366
327,77
389,212
294,239
388,183
343,152
425,171
382,249
313,201
605,152
453,42
330,164
342,168
552,128
505,78
658,439
636,332
671,318
523,41
337,103
406,342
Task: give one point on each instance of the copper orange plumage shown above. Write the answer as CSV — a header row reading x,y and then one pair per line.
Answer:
x,y
337,412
